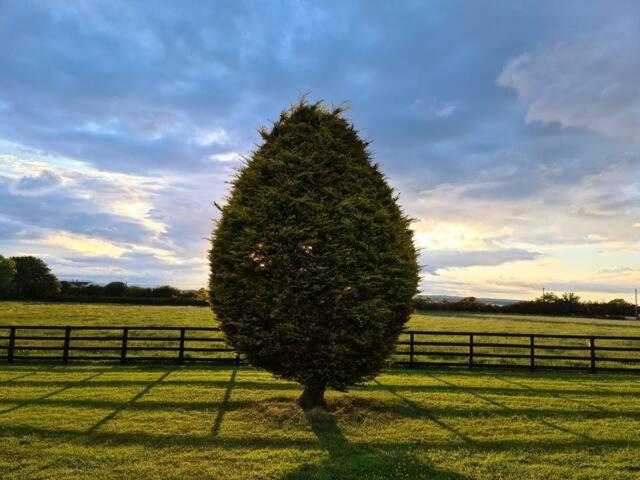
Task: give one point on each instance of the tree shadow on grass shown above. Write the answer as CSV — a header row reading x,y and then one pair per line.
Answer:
x,y
361,462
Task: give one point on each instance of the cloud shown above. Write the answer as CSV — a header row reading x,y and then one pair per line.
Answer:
x,y
216,136
226,157
120,124
103,219
435,260
590,82
45,181
87,246
446,111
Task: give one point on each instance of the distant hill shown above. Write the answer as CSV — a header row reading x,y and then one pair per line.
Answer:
x,y
492,301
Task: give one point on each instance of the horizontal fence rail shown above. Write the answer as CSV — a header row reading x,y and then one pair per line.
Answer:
x,y
415,348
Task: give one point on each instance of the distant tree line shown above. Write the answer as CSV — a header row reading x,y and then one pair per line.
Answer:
x,y
29,278
568,304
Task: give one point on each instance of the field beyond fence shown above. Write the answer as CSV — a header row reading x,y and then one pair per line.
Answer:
x,y
416,348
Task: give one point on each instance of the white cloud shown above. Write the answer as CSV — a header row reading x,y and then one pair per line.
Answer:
x,y
226,157
82,244
473,240
216,136
590,83
446,111
94,224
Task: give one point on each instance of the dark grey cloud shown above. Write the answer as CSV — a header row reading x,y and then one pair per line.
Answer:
x,y
37,184
130,87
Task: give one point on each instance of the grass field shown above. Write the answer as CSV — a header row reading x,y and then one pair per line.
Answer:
x,y
33,313
239,423
22,314
199,421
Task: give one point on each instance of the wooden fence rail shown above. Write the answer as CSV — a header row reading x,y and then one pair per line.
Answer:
x,y
415,348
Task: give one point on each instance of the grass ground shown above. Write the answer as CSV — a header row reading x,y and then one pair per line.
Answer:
x,y
106,422
198,421
21,313
34,313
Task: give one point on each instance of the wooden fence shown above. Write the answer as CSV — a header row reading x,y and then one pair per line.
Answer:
x,y
415,348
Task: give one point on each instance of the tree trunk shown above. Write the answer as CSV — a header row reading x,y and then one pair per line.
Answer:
x,y
312,397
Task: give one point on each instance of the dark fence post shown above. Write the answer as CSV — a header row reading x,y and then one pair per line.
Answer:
x,y
592,348
12,344
181,352
411,350
532,352
123,348
471,351
65,351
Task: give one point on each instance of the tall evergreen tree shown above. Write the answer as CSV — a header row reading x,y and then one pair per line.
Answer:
x,y
313,266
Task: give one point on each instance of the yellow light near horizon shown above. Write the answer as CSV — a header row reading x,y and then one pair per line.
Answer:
x,y
450,236
139,211
88,246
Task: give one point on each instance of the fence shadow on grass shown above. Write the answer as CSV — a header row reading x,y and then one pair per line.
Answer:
x,y
417,410
123,406
368,458
13,379
534,417
225,405
66,386
357,461
556,395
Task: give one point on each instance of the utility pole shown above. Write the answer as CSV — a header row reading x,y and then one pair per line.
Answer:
x,y
637,318
543,299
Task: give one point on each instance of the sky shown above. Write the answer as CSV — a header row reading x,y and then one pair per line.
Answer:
x,y
510,130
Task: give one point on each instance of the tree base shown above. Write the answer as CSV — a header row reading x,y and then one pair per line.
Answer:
x,y
312,397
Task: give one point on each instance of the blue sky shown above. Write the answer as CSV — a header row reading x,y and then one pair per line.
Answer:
x,y
510,129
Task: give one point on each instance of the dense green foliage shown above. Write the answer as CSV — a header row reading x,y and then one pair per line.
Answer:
x,y
120,292
33,278
550,304
116,289
7,273
312,265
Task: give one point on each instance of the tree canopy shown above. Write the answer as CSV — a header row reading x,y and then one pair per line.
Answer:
x,y
313,266
7,273
33,278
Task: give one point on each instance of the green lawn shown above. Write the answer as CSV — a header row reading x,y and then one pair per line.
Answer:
x,y
33,313
106,422
21,313
38,313
199,421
